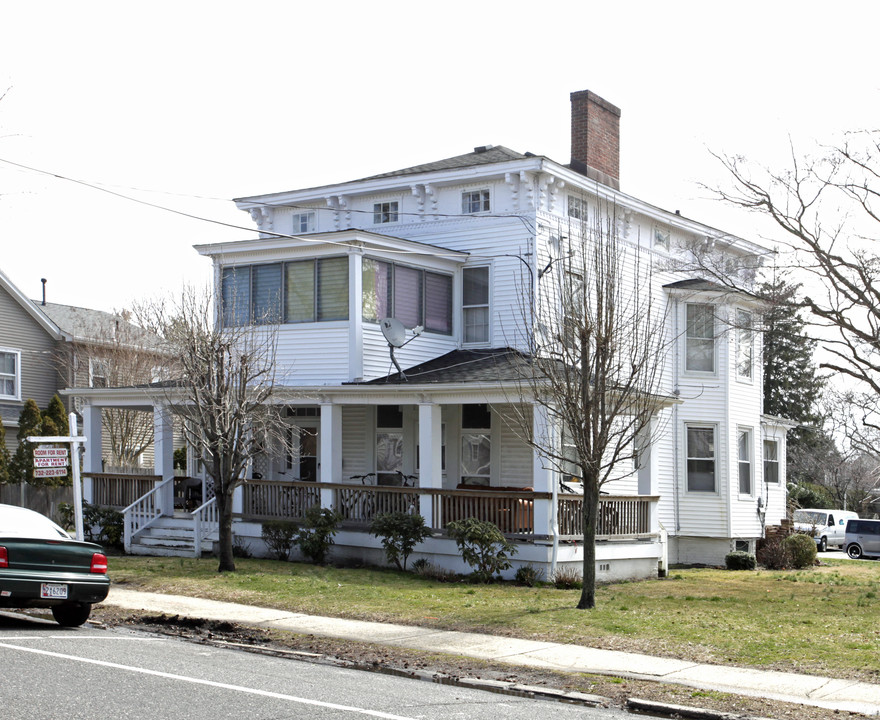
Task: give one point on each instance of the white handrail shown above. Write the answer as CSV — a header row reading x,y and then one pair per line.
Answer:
x,y
142,513
206,520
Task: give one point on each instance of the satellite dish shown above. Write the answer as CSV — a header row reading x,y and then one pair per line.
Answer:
x,y
393,331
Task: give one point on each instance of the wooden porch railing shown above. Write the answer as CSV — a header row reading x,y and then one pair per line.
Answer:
x,y
620,516
120,490
265,500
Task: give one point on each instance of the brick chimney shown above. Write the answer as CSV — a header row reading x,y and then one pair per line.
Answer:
x,y
595,138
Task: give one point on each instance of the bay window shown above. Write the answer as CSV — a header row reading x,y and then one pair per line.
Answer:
x,y
744,450
475,304
700,459
771,462
700,338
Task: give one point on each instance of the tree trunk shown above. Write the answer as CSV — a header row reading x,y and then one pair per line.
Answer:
x,y
591,513
224,510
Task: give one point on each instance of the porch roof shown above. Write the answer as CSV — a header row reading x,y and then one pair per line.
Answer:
x,y
484,366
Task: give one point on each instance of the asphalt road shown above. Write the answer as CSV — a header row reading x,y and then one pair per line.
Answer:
x,y
79,674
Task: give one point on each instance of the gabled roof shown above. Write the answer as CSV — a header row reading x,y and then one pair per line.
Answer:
x,y
485,155
31,309
487,366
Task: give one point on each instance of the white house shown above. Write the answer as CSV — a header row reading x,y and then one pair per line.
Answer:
x,y
458,248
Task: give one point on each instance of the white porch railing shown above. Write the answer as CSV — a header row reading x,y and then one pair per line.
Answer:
x,y
620,517
143,512
206,523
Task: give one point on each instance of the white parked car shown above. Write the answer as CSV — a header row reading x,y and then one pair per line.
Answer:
x,y
827,527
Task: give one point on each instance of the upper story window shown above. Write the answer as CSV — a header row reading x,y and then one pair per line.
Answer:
x,y
700,459
413,296
744,344
577,208
294,292
475,201
700,338
661,237
744,445
304,222
475,304
771,461
385,212
10,374
99,373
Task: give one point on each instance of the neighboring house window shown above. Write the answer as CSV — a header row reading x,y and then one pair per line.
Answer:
x,y
295,292
475,202
99,373
476,444
389,445
303,222
385,212
700,459
475,304
413,296
744,445
700,338
316,290
744,344
771,461
577,208
10,374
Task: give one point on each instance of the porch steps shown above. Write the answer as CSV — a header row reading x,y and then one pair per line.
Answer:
x,y
170,536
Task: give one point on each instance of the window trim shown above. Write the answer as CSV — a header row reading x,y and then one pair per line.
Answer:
x,y
661,237
93,362
311,217
714,457
380,212
743,330
17,374
688,338
576,208
487,305
749,461
775,442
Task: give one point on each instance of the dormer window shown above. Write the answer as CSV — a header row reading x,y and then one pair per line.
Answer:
x,y
475,201
304,222
385,212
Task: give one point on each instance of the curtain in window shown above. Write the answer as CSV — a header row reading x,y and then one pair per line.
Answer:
x,y
266,290
408,296
333,289
376,289
7,374
438,303
300,292
236,295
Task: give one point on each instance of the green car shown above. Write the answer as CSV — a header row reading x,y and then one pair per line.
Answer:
x,y
41,566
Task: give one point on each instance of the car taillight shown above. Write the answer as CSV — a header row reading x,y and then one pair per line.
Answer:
x,y
4,557
99,564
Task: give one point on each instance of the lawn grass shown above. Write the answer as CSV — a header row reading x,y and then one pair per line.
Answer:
x,y
824,619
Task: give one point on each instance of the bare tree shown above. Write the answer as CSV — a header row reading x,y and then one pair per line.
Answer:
x,y
221,382
601,341
828,211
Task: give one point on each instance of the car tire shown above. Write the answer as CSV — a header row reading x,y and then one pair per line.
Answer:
x,y
854,551
823,544
71,614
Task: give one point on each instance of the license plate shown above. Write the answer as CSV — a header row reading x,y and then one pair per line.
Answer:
x,y
53,591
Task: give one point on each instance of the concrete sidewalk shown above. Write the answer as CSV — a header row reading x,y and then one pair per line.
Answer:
x,y
788,687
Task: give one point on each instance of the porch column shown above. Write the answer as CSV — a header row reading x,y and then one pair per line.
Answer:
x,y
93,457
543,474
163,444
649,474
430,460
330,453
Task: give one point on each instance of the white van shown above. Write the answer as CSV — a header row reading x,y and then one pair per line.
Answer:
x,y
827,527
862,538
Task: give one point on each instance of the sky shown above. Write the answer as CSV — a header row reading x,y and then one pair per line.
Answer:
x,y
186,105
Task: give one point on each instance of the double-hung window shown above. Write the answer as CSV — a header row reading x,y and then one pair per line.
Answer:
x,y
771,462
744,450
744,344
475,201
700,459
385,212
413,296
475,304
99,373
10,374
700,338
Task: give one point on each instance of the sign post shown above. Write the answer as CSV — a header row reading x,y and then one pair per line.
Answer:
x,y
52,462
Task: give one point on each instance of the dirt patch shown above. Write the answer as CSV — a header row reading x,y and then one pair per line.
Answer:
x,y
615,690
